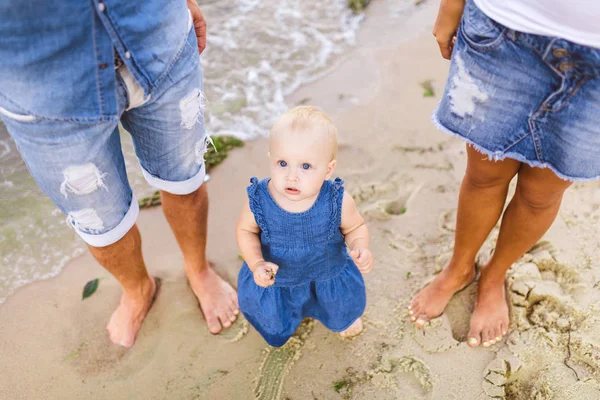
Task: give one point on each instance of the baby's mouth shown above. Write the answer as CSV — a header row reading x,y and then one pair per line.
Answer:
x,y
291,190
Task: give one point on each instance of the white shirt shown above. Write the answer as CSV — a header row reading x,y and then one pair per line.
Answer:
x,y
574,20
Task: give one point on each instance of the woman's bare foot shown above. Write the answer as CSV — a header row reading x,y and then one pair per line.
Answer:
x,y
126,320
218,300
355,329
431,301
489,321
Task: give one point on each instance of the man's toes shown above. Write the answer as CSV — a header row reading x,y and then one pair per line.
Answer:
x,y
214,326
225,316
233,314
234,300
233,306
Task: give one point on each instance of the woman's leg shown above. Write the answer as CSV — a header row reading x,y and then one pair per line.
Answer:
x,y
530,213
480,204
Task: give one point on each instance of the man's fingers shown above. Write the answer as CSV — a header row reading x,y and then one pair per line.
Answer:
x,y
200,28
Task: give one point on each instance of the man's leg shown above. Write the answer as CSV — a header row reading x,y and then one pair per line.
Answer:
x,y
480,203
529,215
124,261
188,217
81,168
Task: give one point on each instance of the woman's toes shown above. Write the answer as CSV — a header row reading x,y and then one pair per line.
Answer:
x,y
421,320
475,338
487,339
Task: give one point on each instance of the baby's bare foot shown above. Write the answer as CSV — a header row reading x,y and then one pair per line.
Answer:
x,y
126,321
431,301
218,300
489,321
353,330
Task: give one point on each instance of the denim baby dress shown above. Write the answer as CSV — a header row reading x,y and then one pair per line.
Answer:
x,y
316,276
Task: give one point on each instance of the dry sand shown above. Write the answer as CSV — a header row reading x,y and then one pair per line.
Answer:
x,y
405,177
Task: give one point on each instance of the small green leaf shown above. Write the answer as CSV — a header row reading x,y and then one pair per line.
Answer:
x,y
339,385
428,90
90,288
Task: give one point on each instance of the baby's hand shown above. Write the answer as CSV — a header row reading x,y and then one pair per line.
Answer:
x,y
264,273
363,260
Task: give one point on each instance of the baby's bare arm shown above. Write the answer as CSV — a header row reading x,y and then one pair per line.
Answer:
x,y
247,234
353,225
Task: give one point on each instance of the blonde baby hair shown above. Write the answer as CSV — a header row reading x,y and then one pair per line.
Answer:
x,y
305,118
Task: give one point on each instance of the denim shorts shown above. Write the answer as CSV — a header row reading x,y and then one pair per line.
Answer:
x,y
535,99
80,164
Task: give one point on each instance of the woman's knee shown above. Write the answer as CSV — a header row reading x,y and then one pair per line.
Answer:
x,y
484,173
540,192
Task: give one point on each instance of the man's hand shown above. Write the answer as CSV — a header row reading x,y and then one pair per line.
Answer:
x,y
363,260
264,273
446,25
199,24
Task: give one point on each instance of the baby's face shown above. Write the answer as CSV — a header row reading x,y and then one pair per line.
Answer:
x,y
300,163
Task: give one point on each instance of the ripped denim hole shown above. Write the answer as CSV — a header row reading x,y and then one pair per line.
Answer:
x,y
464,93
82,179
192,108
85,219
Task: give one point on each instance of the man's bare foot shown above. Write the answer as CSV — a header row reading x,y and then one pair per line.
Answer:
x,y
355,329
489,321
126,320
431,301
218,300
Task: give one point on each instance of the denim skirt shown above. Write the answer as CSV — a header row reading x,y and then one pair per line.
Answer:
x,y
532,98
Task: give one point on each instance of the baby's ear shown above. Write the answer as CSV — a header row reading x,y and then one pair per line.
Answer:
x,y
330,168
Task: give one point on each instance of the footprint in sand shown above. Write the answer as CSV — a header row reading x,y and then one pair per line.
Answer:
x,y
235,332
552,352
400,242
386,200
539,292
436,336
278,361
389,371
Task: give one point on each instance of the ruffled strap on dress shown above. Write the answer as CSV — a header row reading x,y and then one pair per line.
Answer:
x,y
255,205
337,195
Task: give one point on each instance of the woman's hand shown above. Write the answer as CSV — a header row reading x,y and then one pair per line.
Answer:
x,y
446,25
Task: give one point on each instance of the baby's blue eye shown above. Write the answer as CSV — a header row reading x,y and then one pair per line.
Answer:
x,y
282,163
305,166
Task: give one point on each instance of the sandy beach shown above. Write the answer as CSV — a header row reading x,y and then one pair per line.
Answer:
x,y
405,176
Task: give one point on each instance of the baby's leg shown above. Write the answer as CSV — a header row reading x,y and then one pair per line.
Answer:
x,y
353,330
